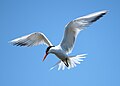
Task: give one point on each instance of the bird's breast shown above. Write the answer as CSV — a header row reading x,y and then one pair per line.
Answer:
x,y
60,54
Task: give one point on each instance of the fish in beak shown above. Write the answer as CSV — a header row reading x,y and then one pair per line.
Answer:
x,y
45,56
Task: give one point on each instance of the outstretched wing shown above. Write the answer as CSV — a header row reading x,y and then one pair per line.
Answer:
x,y
32,40
74,27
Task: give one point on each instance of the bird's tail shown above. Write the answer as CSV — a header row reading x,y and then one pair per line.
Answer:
x,y
70,62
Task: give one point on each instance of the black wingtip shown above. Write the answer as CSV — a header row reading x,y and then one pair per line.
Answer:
x,y
98,17
19,44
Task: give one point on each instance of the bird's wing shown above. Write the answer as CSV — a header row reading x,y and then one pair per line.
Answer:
x,y
32,40
74,27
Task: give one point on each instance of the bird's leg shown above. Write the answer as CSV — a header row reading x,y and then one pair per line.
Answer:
x,y
66,62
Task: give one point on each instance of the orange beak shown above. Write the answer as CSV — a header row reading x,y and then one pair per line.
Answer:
x,y
45,56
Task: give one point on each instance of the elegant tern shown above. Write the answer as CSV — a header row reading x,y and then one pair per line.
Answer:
x,y
66,45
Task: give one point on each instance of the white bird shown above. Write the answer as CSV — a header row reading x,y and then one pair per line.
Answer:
x,y
66,45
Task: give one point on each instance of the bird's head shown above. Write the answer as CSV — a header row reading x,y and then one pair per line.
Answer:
x,y
47,52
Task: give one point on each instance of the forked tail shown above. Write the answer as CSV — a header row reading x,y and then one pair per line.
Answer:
x,y
70,62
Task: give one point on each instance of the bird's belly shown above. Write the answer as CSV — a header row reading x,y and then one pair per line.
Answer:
x,y
61,55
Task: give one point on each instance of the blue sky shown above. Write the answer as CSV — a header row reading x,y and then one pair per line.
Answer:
x,y
24,66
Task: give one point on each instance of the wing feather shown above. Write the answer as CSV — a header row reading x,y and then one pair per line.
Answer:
x,y
74,27
33,39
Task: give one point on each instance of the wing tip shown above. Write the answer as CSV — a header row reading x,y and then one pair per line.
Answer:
x,y
100,14
104,11
15,43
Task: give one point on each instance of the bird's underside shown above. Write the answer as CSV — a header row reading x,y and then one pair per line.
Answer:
x,y
72,29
